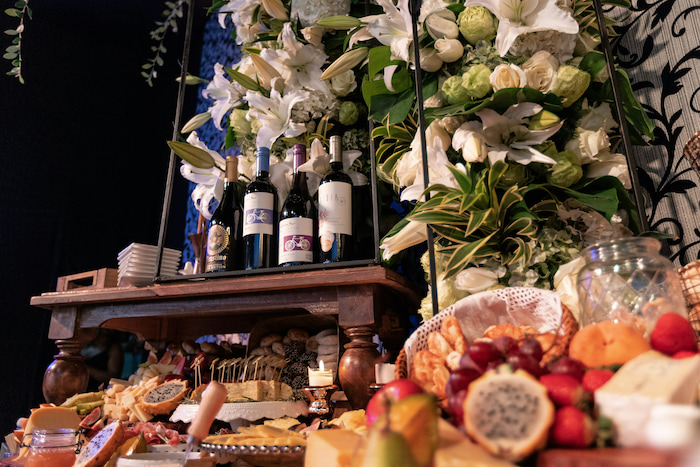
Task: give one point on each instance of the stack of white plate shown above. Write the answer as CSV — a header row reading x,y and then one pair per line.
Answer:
x,y
137,264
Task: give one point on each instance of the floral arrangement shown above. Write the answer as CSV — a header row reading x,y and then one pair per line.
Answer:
x,y
520,131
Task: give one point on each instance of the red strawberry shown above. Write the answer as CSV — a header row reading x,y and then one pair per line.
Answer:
x,y
672,334
593,379
572,428
562,389
684,354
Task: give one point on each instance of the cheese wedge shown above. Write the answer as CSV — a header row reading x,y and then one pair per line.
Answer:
x,y
456,450
645,381
50,418
331,448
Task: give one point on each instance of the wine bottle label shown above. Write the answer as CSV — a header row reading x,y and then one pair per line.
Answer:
x,y
296,240
217,242
335,208
258,213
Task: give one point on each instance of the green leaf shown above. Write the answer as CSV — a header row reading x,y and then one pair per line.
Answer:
x,y
196,157
463,254
392,107
244,80
479,219
13,12
10,56
379,58
11,32
12,48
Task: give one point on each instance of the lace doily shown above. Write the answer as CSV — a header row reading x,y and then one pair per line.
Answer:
x,y
249,411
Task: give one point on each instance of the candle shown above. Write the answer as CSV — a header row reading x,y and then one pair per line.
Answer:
x,y
383,373
320,377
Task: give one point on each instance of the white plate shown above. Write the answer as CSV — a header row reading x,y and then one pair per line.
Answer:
x,y
251,411
147,249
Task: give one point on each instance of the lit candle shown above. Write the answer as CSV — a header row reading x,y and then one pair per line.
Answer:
x,y
320,377
383,373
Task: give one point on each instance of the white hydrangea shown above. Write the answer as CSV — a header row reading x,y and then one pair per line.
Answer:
x,y
310,11
556,43
316,106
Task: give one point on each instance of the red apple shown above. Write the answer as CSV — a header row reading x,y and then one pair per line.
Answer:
x,y
390,393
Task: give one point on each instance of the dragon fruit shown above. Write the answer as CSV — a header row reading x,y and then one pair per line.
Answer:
x,y
165,398
101,446
508,413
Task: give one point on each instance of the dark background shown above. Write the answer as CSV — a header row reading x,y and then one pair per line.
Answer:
x,y
83,163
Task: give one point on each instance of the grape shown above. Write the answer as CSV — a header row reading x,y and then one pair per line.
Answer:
x,y
484,352
494,364
531,346
521,361
567,366
467,362
459,380
504,344
456,404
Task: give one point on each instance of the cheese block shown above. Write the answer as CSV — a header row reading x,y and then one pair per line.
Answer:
x,y
456,450
331,448
643,382
257,391
50,418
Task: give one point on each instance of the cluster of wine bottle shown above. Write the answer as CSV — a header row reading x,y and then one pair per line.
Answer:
x,y
256,234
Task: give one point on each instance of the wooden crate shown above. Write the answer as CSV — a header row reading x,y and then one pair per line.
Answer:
x,y
98,279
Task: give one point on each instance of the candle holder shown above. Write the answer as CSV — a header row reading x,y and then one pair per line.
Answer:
x,y
373,388
320,397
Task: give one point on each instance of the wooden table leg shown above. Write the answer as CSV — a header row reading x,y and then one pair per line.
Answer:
x,y
67,374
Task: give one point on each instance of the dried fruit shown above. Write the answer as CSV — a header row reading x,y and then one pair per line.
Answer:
x,y
508,413
672,334
573,428
607,343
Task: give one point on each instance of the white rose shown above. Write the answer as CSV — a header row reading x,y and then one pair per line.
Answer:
x,y
429,60
595,118
449,50
610,164
588,144
343,84
470,141
475,279
541,71
442,28
507,76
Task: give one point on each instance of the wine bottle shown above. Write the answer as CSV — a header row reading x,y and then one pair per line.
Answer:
x,y
298,228
224,251
260,216
335,209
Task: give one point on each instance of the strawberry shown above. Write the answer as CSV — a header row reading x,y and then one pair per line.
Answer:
x,y
593,379
684,354
562,389
572,428
672,334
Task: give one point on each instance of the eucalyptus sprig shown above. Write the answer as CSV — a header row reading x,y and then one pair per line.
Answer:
x,y
171,16
13,53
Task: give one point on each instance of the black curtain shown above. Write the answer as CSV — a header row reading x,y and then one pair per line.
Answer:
x,y
83,164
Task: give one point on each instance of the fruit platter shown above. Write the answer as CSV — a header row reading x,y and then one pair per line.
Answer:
x,y
506,377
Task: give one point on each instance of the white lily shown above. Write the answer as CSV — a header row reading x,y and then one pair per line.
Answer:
x,y
394,28
243,14
413,233
516,17
299,64
438,171
210,184
319,165
274,114
225,94
508,137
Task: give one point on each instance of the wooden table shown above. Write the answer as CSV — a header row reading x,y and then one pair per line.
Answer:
x,y
366,300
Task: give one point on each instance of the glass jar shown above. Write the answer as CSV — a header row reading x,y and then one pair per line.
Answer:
x,y
628,280
56,448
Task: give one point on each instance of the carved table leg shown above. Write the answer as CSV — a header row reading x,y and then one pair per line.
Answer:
x,y
67,374
356,367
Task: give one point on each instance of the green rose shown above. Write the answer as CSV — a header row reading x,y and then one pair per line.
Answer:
x,y
476,81
454,91
349,113
571,84
566,171
515,174
476,23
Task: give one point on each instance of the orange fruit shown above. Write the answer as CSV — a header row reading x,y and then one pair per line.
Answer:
x,y
607,343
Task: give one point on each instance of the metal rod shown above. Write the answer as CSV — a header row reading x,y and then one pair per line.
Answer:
x,y
415,10
622,119
176,131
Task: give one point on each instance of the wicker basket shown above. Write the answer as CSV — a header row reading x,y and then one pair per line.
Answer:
x,y
517,301
690,282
